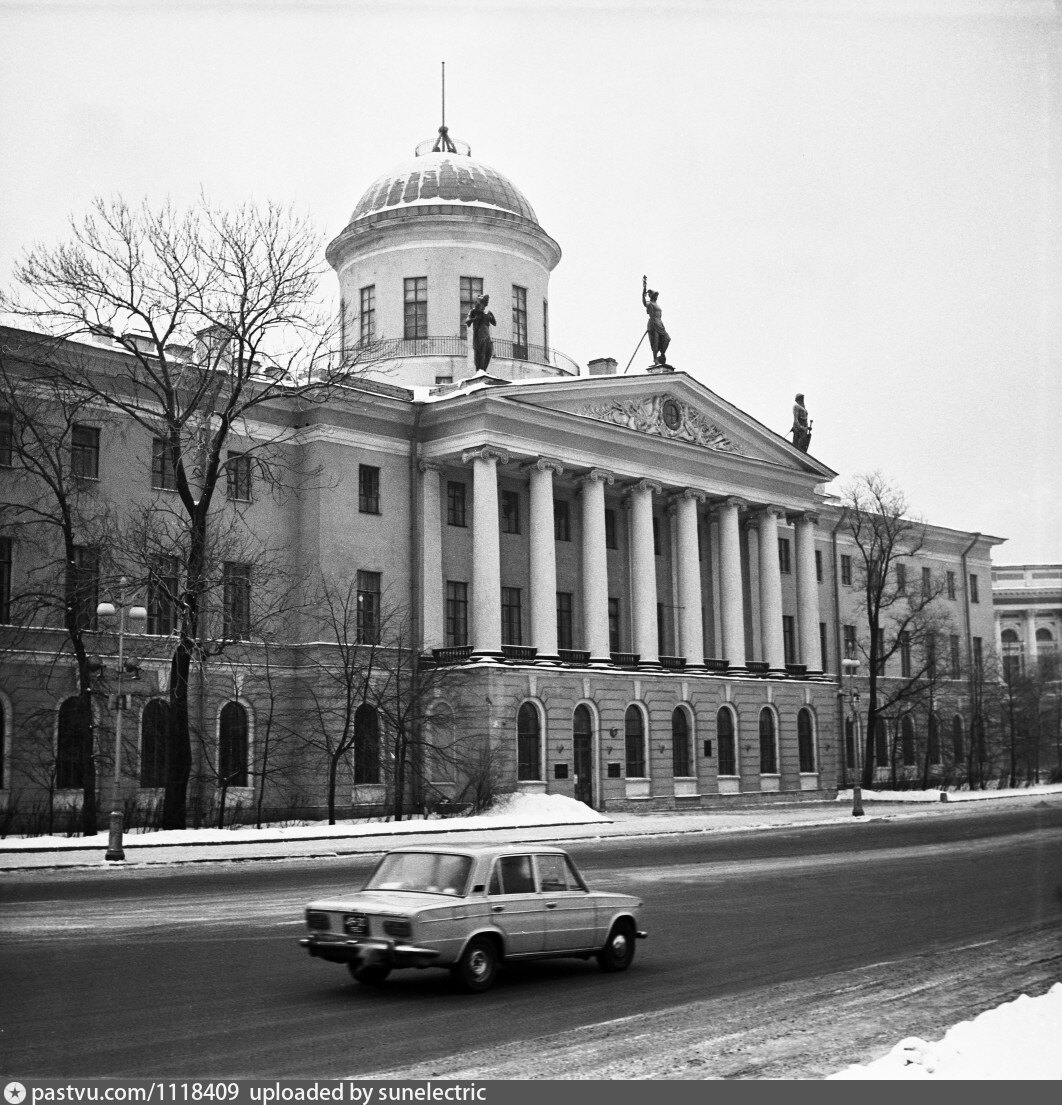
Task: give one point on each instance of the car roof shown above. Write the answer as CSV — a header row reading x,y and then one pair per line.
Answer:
x,y
478,850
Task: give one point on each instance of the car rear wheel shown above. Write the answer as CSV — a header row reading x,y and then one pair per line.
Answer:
x,y
369,975
618,952
476,969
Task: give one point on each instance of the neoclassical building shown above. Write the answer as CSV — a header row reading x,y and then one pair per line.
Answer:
x,y
646,590
1028,604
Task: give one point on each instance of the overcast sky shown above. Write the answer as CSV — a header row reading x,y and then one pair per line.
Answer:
x,y
859,200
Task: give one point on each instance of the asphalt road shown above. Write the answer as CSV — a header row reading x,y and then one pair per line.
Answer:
x,y
196,972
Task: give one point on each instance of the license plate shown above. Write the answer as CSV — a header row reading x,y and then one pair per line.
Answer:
x,y
356,924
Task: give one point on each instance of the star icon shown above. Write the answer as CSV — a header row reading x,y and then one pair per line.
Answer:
x,y
14,1093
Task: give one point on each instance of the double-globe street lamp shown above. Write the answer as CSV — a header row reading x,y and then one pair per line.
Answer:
x,y
851,669
136,614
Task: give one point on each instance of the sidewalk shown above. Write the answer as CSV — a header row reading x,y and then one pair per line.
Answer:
x,y
561,822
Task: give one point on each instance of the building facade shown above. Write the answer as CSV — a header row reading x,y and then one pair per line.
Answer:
x,y
644,594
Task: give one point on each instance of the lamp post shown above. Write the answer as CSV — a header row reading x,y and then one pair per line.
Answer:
x,y
851,667
136,614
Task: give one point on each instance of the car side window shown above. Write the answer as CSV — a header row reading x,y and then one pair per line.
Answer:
x,y
553,876
512,875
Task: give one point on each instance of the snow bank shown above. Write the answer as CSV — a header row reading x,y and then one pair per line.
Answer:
x,y
933,794
1018,1040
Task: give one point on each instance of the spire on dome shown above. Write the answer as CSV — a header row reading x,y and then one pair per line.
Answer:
x,y
443,143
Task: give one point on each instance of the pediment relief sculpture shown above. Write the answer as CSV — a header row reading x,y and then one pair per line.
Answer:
x,y
665,416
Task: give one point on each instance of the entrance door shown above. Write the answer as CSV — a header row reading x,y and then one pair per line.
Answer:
x,y
584,768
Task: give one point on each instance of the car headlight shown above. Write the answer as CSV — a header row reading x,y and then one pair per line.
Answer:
x,y
317,920
398,926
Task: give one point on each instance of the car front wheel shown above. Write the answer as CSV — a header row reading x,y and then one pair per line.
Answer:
x,y
369,975
618,952
478,965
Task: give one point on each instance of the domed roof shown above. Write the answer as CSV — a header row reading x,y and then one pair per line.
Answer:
x,y
443,178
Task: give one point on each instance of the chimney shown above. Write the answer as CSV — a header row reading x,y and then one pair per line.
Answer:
x,y
602,366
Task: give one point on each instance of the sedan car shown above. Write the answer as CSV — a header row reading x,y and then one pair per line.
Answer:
x,y
470,910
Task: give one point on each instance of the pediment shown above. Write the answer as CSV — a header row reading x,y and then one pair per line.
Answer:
x,y
665,414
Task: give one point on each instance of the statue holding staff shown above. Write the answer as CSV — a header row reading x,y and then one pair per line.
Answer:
x,y
659,339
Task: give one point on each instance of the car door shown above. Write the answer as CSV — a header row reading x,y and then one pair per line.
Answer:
x,y
572,916
515,905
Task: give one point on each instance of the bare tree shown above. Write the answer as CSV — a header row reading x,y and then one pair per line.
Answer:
x,y
217,313
900,614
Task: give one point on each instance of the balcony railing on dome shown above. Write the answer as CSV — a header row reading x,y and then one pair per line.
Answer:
x,y
397,349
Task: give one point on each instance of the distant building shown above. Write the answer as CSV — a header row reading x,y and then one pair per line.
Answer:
x,y
1027,599
644,587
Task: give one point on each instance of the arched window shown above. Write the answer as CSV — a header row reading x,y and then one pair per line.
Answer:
x,y
933,744
907,740
634,742
528,743
768,744
806,740
957,742
1009,637
232,746
69,757
1044,637
154,733
724,727
366,745
881,742
582,723
681,760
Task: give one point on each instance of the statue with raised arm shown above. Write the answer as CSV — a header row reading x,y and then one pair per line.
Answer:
x,y
801,424
659,339
480,319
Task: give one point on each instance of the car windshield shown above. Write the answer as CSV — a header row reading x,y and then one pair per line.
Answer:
x,y
422,872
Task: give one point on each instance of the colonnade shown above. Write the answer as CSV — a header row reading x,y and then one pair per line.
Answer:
x,y
485,623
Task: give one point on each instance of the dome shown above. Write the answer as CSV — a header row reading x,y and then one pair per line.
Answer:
x,y
443,178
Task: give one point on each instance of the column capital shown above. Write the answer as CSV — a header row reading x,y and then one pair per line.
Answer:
x,y
546,464
734,501
810,516
651,486
688,493
598,475
486,452
766,512
431,466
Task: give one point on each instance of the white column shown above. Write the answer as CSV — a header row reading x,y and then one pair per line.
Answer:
x,y
643,571
595,565
750,527
771,590
1029,617
808,593
731,599
486,550
691,623
543,559
432,600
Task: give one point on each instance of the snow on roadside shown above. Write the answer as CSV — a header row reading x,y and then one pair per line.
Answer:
x,y
1017,1040
933,795
511,811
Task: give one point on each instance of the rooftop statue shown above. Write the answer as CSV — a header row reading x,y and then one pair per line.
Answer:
x,y
659,338
481,320
801,430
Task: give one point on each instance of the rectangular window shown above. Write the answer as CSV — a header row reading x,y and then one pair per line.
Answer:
x,y
818,565
901,579
978,656
5,591
789,638
471,290
975,594
85,452
519,322
441,380
849,642
162,596
562,530
656,536
236,583
7,438
416,307
368,489
163,465
905,655
238,476
823,654
660,626
951,585
846,570
610,529
545,325
881,651
511,620
509,504
927,581
784,561
455,504
84,580
564,620
956,659
369,598
367,317
456,614
613,625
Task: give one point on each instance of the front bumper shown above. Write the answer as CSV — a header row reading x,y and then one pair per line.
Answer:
x,y
376,953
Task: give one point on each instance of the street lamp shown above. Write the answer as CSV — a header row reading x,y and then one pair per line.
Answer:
x,y
851,669
136,614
